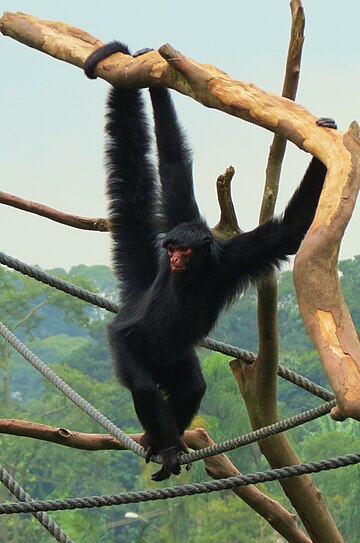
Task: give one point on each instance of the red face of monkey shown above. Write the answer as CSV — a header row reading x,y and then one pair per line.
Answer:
x,y
179,257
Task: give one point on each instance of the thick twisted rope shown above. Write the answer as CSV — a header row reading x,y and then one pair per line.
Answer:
x,y
262,433
43,518
57,283
181,490
86,295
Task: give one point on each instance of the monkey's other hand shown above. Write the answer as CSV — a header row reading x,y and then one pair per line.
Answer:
x,y
171,464
327,122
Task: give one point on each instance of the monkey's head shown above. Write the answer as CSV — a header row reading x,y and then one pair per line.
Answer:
x,y
188,246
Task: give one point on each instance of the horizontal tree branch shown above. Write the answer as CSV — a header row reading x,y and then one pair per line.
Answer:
x,y
84,223
168,67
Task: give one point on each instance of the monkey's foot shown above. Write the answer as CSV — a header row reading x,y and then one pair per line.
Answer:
x,y
171,464
170,457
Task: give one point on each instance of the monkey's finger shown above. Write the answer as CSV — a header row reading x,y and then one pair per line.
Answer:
x,y
327,122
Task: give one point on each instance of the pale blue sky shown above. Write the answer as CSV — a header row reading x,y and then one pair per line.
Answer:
x,y
52,117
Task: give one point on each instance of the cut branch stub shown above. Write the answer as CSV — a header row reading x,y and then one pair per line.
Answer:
x,y
228,225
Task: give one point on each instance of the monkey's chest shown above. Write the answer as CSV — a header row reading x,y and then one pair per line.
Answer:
x,y
177,322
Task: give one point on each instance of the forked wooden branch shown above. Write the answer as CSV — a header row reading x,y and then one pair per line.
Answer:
x,y
320,298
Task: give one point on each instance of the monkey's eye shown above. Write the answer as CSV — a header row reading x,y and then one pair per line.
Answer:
x,y
185,249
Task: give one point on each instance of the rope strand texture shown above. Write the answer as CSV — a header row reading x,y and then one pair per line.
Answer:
x,y
180,490
55,282
262,433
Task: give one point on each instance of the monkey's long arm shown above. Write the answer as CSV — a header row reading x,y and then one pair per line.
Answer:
x,y
175,163
260,250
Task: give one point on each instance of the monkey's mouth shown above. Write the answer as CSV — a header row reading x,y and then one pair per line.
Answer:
x,y
178,269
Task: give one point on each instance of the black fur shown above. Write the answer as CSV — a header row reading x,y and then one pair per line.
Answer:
x,y
165,314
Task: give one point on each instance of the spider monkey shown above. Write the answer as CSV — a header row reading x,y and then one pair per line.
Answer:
x,y
174,286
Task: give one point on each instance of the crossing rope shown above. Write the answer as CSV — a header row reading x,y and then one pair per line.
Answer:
x,y
42,517
129,443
